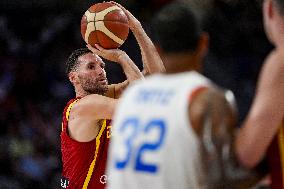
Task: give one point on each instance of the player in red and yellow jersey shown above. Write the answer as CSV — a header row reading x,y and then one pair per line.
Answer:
x,y
89,157
86,127
262,131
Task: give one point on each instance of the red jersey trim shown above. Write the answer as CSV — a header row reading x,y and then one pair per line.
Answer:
x,y
92,165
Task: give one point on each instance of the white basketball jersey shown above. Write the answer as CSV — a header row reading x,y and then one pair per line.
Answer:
x,y
153,145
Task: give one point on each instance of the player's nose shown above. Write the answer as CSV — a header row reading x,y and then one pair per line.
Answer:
x,y
101,71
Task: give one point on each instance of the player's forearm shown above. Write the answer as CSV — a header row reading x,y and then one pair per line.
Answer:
x,y
151,59
253,140
131,71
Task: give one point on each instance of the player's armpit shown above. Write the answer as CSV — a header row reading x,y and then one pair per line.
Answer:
x,y
115,90
120,87
111,91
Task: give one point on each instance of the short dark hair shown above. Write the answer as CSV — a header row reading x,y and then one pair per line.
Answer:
x,y
72,61
175,28
280,5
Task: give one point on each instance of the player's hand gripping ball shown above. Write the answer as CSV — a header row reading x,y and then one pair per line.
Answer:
x,y
105,24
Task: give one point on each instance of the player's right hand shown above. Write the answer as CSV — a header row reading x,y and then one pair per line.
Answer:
x,y
114,55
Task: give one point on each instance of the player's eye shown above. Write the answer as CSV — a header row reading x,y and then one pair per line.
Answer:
x,y
91,67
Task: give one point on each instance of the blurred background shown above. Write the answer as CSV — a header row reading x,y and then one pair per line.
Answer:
x,y
37,36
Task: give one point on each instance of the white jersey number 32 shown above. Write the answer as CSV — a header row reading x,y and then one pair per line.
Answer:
x,y
132,127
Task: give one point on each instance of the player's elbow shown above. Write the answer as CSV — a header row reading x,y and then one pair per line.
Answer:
x,y
246,157
245,161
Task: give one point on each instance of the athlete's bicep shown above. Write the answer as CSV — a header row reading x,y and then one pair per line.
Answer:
x,y
94,107
268,106
265,116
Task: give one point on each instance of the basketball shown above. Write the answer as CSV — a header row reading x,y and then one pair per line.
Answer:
x,y
105,24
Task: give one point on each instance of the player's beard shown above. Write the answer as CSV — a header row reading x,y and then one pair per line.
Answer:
x,y
93,85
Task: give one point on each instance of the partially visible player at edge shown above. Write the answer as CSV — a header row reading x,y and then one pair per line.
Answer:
x,y
262,133
174,130
86,128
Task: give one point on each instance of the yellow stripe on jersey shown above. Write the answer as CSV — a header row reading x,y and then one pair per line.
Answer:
x,y
92,166
281,148
69,109
68,112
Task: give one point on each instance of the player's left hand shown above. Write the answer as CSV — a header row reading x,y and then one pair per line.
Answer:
x,y
114,55
134,23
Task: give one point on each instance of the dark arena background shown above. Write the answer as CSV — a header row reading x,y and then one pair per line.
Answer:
x,y
37,36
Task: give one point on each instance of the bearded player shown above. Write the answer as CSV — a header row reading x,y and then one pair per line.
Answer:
x,y
86,126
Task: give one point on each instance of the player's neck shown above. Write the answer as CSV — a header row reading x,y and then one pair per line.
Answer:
x,y
279,40
176,63
279,34
80,92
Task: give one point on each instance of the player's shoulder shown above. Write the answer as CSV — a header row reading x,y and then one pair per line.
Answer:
x,y
276,58
280,51
189,79
184,76
70,103
273,67
280,56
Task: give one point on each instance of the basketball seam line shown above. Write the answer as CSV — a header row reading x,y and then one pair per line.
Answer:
x,y
105,26
95,30
109,21
107,14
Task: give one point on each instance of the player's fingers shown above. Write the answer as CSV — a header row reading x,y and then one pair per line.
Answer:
x,y
115,3
94,50
99,47
120,6
91,48
103,52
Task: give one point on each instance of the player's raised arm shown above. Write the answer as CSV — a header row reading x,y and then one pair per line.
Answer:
x,y
266,114
151,60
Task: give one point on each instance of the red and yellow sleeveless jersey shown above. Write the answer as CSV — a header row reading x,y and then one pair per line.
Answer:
x,y
276,160
84,163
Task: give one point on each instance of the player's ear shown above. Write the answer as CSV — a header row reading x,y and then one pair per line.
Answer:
x,y
268,8
203,44
73,77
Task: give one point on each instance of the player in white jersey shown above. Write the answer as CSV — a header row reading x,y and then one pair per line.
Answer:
x,y
154,145
173,131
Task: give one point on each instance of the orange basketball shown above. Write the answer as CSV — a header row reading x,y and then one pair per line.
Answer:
x,y
105,24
